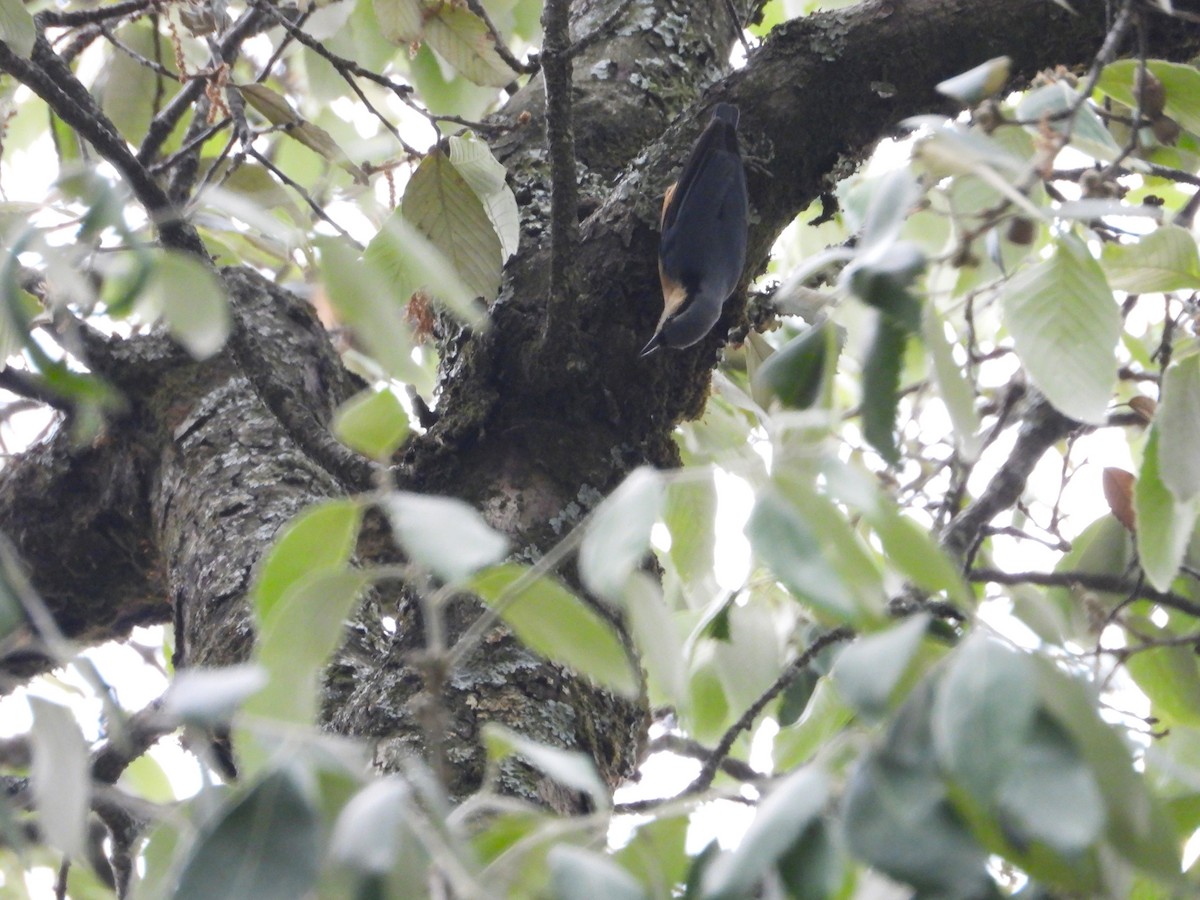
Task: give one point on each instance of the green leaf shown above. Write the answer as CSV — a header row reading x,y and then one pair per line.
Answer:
x,y
953,387
1177,422
372,422
1137,828
568,767
897,818
978,83
983,713
209,697
1065,325
825,716
462,39
190,299
795,372
579,874
264,845
399,20
815,867
1166,259
441,205
690,516
371,301
1050,794
881,387
17,28
618,538
1180,81
1168,676
276,109
652,626
489,180
320,539
868,672
61,777
1164,524
444,534
553,622
372,827
783,540
298,637
781,820
656,854
129,91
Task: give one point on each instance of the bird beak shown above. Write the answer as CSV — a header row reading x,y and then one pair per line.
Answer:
x,y
654,343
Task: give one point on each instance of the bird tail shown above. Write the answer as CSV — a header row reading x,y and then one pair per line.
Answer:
x,y
727,113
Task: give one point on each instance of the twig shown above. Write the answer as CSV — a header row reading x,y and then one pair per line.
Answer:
x,y
79,17
1042,428
1093,581
498,44
709,770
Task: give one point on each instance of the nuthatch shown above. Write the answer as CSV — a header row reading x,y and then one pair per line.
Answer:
x,y
703,245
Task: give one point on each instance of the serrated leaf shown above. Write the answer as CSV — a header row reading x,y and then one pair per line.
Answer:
x,y
1181,87
17,29
618,538
462,39
61,777
406,260
440,204
210,697
1163,260
983,713
372,422
1065,326
276,109
781,819
1164,524
553,622
1178,426
488,179
190,299
444,534
319,539
570,768
579,874
868,672
978,83
400,20
263,845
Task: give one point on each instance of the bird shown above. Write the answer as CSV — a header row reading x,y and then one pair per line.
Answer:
x,y
703,246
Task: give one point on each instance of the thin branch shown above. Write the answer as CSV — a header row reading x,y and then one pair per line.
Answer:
x,y
164,123
1093,581
683,746
709,770
1042,428
28,385
75,18
498,44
